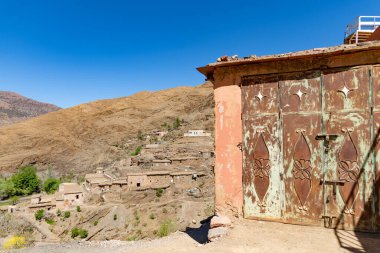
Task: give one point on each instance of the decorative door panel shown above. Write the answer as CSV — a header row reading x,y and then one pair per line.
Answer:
x,y
302,169
261,168
346,90
301,117
301,93
260,98
347,157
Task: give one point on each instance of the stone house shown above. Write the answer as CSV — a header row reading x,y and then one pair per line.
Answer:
x,y
93,180
13,208
138,181
46,203
196,133
105,186
69,195
183,160
35,199
119,184
159,133
206,154
159,179
164,162
152,146
184,179
280,118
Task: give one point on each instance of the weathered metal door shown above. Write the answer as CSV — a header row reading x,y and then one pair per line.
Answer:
x,y
261,148
301,123
347,156
310,147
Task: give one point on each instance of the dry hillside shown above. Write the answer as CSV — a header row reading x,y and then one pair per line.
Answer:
x,y
15,108
84,137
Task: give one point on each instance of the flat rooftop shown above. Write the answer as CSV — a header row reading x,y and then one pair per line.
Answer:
x,y
315,52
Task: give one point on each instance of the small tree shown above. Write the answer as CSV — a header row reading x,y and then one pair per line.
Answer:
x,y
59,212
66,214
26,180
51,185
78,209
7,189
39,214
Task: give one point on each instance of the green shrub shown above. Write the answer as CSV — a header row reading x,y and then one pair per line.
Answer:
x,y
49,221
151,216
39,214
96,223
7,189
137,151
78,209
66,214
59,212
165,228
26,181
74,232
114,217
176,123
159,192
51,185
83,233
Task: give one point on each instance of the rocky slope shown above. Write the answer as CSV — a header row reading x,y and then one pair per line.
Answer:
x,y
82,138
15,108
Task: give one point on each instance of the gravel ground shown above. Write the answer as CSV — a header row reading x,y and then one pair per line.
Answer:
x,y
245,236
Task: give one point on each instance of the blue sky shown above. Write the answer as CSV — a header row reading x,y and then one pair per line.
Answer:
x,y
69,52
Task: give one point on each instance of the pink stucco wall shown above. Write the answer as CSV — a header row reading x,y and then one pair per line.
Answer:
x,y
228,159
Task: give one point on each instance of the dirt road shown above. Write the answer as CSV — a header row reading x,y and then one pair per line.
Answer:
x,y
246,236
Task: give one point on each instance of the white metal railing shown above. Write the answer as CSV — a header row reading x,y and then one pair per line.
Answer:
x,y
362,24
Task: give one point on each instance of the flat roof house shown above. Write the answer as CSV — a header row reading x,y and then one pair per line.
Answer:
x,y
69,195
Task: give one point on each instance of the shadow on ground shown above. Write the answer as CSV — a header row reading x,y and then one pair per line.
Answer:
x,y
359,241
200,234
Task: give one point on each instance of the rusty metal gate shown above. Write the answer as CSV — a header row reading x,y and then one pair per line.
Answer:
x,y
310,153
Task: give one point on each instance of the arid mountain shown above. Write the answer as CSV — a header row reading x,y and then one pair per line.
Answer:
x,y
82,138
15,108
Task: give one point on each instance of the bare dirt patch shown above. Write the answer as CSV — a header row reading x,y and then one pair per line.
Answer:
x,y
245,236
